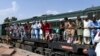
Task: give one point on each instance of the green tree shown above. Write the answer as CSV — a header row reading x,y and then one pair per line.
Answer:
x,y
6,20
13,19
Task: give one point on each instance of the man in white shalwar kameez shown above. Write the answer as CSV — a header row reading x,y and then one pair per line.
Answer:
x,y
97,40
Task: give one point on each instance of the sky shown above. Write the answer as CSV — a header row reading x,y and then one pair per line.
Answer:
x,y
24,9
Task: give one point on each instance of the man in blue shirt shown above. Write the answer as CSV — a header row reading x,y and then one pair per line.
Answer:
x,y
94,28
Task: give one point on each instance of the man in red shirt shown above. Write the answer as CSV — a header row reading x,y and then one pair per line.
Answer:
x,y
27,28
46,29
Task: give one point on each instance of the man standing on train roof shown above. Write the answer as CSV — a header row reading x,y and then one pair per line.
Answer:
x,y
65,28
36,29
27,28
21,31
94,25
97,43
69,31
11,30
33,30
61,31
95,32
79,26
97,40
12,27
39,31
15,30
86,31
46,29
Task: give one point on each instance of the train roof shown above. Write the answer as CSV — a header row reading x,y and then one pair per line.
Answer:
x,y
62,15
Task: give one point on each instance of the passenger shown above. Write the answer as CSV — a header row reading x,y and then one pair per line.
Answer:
x,y
41,31
7,29
70,31
27,28
43,28
73,31
46,29
61,31
97,43
15,31
19,35
54,35
33,30
79,26
86,31
94,25
11,30
37,30
65,28
22,32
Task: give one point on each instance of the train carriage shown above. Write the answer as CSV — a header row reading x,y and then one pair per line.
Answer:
x,y
54,47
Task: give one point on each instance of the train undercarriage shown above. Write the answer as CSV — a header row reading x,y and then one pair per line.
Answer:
x,y
48,48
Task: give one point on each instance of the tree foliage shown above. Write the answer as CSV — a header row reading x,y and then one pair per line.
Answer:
x,y
7,20
13,19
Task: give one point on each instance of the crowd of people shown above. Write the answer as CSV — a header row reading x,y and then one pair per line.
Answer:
x,y
80,31
36,30
83,31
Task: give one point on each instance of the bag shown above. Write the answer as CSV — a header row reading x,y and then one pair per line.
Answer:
x,y
97,37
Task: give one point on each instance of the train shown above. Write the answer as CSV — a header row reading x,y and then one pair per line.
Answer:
x,y
53,48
